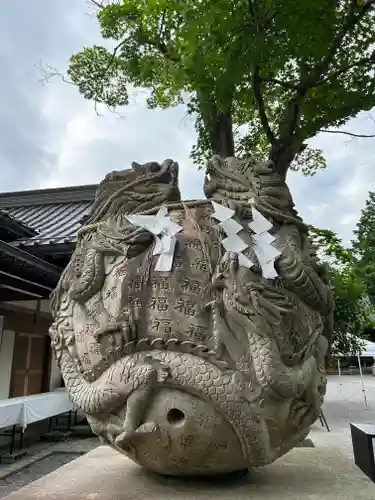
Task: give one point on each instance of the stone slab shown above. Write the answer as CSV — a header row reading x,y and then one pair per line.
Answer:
x,y
302,474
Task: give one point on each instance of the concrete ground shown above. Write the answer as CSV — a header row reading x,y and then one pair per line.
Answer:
x,y
344,403
41,459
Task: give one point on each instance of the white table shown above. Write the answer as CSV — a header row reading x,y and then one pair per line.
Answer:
x,y
22,411
11,411
28,409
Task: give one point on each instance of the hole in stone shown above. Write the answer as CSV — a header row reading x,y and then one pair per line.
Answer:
x,y
175,416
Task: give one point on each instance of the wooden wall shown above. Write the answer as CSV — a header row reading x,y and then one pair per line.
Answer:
x,y
31,365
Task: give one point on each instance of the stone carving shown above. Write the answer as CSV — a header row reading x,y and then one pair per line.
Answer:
x,y
209,367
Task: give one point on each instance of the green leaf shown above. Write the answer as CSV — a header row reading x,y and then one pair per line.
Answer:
x,y
364,245
353,311
209,54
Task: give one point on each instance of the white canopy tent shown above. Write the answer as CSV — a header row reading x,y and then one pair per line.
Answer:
x,y
368,351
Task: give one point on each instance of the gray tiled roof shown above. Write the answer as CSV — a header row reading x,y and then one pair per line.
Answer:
x,y
55,214
6,219
55,222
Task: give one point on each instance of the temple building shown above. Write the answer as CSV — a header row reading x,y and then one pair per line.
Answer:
x,y
37,236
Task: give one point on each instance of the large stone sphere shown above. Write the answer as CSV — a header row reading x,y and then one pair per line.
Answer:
x,y
198,440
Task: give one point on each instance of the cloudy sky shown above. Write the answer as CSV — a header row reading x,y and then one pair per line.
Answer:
x,y
50,136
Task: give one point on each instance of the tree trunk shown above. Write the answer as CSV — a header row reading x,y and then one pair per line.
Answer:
x,y
221,135
218,124
283,155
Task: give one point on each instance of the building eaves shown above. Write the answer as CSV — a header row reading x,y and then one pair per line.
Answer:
x,y
40,265
69,194
16,228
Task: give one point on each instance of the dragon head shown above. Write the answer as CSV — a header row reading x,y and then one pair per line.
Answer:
x,y
142,187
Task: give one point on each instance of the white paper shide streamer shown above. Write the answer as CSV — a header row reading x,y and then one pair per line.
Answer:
x,y
265,252
164,230
232,243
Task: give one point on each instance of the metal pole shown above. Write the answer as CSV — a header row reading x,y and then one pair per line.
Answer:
x,y
1,332
363,386
339,366
13,441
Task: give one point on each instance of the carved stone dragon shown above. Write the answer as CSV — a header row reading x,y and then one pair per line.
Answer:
x,y
209,367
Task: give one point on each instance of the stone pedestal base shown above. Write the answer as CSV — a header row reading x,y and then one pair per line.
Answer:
x,y
104,474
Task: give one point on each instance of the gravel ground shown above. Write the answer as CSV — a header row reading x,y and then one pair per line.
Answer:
x,y
35,471
42,458
344,403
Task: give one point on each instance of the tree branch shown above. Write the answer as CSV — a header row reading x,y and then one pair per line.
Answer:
x,y
101,4
163,49
289,126
287,85
257,81
161,27
157,44
350,21
312,78
294,86
48,72
270,19
360,63
257,92
344,132
251,9
96,4
113,56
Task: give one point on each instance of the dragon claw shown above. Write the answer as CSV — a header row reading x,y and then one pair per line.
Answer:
x,y
124,439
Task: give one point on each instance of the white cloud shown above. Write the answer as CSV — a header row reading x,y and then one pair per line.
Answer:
x,y
56,139
87,146
333,199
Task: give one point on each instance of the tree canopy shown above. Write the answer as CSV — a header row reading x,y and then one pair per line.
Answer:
x,y
364,246
256,75
352,314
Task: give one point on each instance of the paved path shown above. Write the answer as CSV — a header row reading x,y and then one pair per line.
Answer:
x,y
344,404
